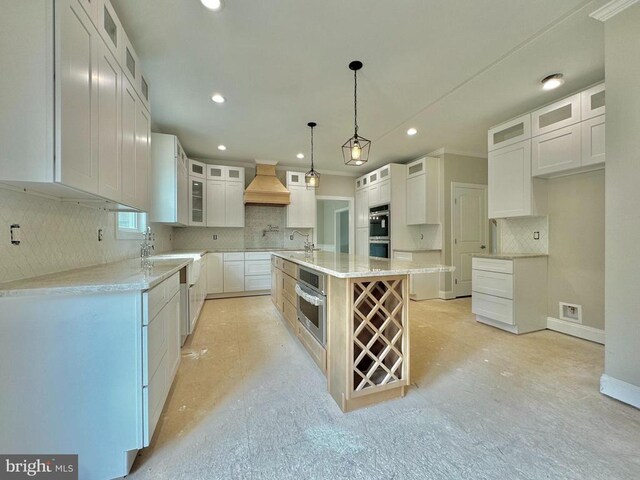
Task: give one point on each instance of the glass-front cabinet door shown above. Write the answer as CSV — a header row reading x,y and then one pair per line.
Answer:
x,y
197,202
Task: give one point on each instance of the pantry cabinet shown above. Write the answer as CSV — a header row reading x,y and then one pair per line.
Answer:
x,y
81,131
301,211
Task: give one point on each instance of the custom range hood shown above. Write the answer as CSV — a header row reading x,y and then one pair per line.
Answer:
x,y
266,189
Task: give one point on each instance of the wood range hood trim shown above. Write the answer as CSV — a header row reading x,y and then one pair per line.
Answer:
x,y
266,189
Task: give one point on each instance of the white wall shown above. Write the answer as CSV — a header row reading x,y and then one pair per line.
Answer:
x,y
622,207
59,236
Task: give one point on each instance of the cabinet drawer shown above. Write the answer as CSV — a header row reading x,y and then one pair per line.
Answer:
x,y
408,256
492,265
257,256
257,267
277,262
289,289
159,296
291,314
492,283
153,397
233,256
290,268
257,282
495,308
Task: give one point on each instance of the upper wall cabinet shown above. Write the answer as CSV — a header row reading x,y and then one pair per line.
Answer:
x,y
223,172
557,115
556,151
169,183
71,124
301,211
510,132
225,196
362,182
593,102
197,169
423,192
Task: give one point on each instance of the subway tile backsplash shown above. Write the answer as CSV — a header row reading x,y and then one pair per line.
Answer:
x,y
517,235
59,236
254,234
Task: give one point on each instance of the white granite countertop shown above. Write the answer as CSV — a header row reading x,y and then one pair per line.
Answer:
x,y
342,265
509,256
417,250
225,250
109,277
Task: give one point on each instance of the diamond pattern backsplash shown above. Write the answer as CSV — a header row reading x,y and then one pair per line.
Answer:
x,y
253,235
57,236
517,235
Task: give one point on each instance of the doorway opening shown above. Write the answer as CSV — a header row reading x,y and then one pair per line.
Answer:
x,y
335,224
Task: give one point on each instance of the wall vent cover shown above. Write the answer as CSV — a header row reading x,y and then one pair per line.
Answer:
x,y
570,312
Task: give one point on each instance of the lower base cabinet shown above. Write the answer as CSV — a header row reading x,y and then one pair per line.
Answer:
x,y
510,294
238,273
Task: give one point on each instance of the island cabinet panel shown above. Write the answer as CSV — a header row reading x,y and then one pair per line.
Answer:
x,y
369,352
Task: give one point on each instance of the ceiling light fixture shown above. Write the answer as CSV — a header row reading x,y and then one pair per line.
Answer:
x,y
300,156
356,149
552,81
217,98
215,5
222,147
312,178
411,132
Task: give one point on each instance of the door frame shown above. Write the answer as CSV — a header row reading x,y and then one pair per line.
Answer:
x,y
352,223
452,245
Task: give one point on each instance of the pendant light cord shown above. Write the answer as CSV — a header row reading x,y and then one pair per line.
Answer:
x,y
355,102
312,149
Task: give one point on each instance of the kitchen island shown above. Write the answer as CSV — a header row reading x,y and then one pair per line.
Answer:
x,y
359,336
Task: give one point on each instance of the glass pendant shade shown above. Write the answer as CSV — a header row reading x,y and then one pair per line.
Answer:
x,y
356,150
312,178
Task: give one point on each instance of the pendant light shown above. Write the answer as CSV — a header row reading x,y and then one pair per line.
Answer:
x,y
356,149
312,178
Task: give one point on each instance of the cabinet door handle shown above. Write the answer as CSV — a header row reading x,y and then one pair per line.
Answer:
x,y
483,247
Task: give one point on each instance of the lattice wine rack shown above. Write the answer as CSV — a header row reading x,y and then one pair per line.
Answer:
x,y
379,347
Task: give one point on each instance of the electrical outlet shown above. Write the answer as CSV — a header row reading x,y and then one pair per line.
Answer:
x,y
215,237
100,235
536,235
290,237
15,234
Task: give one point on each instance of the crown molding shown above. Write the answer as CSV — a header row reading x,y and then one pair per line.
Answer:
x,y
611,9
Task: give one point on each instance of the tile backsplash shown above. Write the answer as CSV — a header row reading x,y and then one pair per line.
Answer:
x,y
57,236
517,235
253,235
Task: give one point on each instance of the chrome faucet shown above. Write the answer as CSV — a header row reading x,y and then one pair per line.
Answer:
x,y
308,246
146,247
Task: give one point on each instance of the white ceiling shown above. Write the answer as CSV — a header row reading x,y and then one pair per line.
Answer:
x,y
450,68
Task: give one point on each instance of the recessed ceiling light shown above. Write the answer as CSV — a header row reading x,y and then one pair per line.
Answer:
x,y
212,4
300,156
552,81
411,132
222,147
216,97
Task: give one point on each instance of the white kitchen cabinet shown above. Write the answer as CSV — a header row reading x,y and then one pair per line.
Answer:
x,y
91,8
233,276
362,242
508,133
560,114
225,204
257,271
301,211
143,157
422,192
362,182
197,202
129,110
593,141
215,272
234,204
422,286
510,294
109,27
593,102
556,151
362,208
384,192
169,182
197,169
109,85
512,192
374,195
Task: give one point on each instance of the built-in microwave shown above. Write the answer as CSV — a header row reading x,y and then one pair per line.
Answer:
x,y
312,303
379,222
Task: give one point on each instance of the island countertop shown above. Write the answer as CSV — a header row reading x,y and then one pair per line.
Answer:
x,y
342,265
122,276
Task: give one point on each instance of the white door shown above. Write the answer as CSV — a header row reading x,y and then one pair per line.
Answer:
x,y
470,232
234,276
215,272
216,203
234,204
76,98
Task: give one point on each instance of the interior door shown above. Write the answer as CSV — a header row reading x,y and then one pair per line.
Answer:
x,y
470,232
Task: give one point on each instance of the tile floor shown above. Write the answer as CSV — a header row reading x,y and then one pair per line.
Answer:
x,y
248,403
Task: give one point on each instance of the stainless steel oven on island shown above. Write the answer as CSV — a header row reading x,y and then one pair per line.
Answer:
x,y
351,313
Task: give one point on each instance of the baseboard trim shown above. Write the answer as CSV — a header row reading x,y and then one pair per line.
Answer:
x,y
620,390
446,295
576,330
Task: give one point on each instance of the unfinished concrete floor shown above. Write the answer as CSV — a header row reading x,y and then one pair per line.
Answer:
x,y
248,403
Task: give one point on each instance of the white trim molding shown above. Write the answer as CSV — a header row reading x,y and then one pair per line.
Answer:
x,y
620,390
611,9
576,330
446,295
